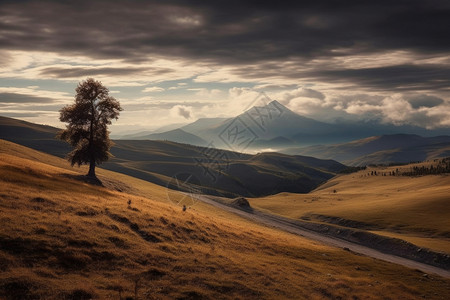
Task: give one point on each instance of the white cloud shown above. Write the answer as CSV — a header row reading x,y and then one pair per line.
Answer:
x,y
286,97
35,91
206,93
153,89
35,65
425,111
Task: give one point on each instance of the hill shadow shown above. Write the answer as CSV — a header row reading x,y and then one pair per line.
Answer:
x,y
84,178
108,183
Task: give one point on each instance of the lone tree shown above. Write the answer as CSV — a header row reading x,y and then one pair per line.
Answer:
x,y
88,118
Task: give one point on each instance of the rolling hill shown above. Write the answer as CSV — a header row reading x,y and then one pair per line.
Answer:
x,y
39,137
413,208
218,172
175,135
137,135
385,149
64,239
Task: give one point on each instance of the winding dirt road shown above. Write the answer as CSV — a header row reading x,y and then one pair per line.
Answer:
x,y
288,225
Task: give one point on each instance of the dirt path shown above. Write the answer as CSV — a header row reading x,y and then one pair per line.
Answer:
x,y
288,225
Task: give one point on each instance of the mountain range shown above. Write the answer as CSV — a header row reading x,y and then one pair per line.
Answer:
x,y
274,126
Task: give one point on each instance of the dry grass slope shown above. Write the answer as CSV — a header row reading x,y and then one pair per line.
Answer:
x,y
415,209
64,239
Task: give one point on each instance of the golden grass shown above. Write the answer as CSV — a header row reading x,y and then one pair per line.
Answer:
x,y
413,208
61,238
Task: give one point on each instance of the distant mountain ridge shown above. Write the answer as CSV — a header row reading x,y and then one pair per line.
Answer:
x,y
274,126
263,125
385,149
176,135
136,135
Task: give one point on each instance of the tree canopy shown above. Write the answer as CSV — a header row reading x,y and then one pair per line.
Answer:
x,y
88,119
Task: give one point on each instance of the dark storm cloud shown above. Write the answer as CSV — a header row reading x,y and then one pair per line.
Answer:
x,y
399,78
82,72
224,30
183,112
23,98
403,77
238,32
425,101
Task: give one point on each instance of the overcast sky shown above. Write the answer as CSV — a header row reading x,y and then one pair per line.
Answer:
x,y
177,61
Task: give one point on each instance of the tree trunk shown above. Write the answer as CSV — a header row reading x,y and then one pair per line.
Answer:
x,y
91,145
92,169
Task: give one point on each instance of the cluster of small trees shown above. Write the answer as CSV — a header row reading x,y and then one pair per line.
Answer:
x,y
390,173
350,170
441,166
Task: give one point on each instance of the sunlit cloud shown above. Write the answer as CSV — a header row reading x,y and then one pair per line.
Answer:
x,y
39,66
32,94
153,89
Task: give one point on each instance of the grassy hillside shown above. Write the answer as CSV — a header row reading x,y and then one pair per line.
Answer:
x,y
219,172
413,208
404,155
39,137
64,239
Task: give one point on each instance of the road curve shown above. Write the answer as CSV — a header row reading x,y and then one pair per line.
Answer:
x,y
288,225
